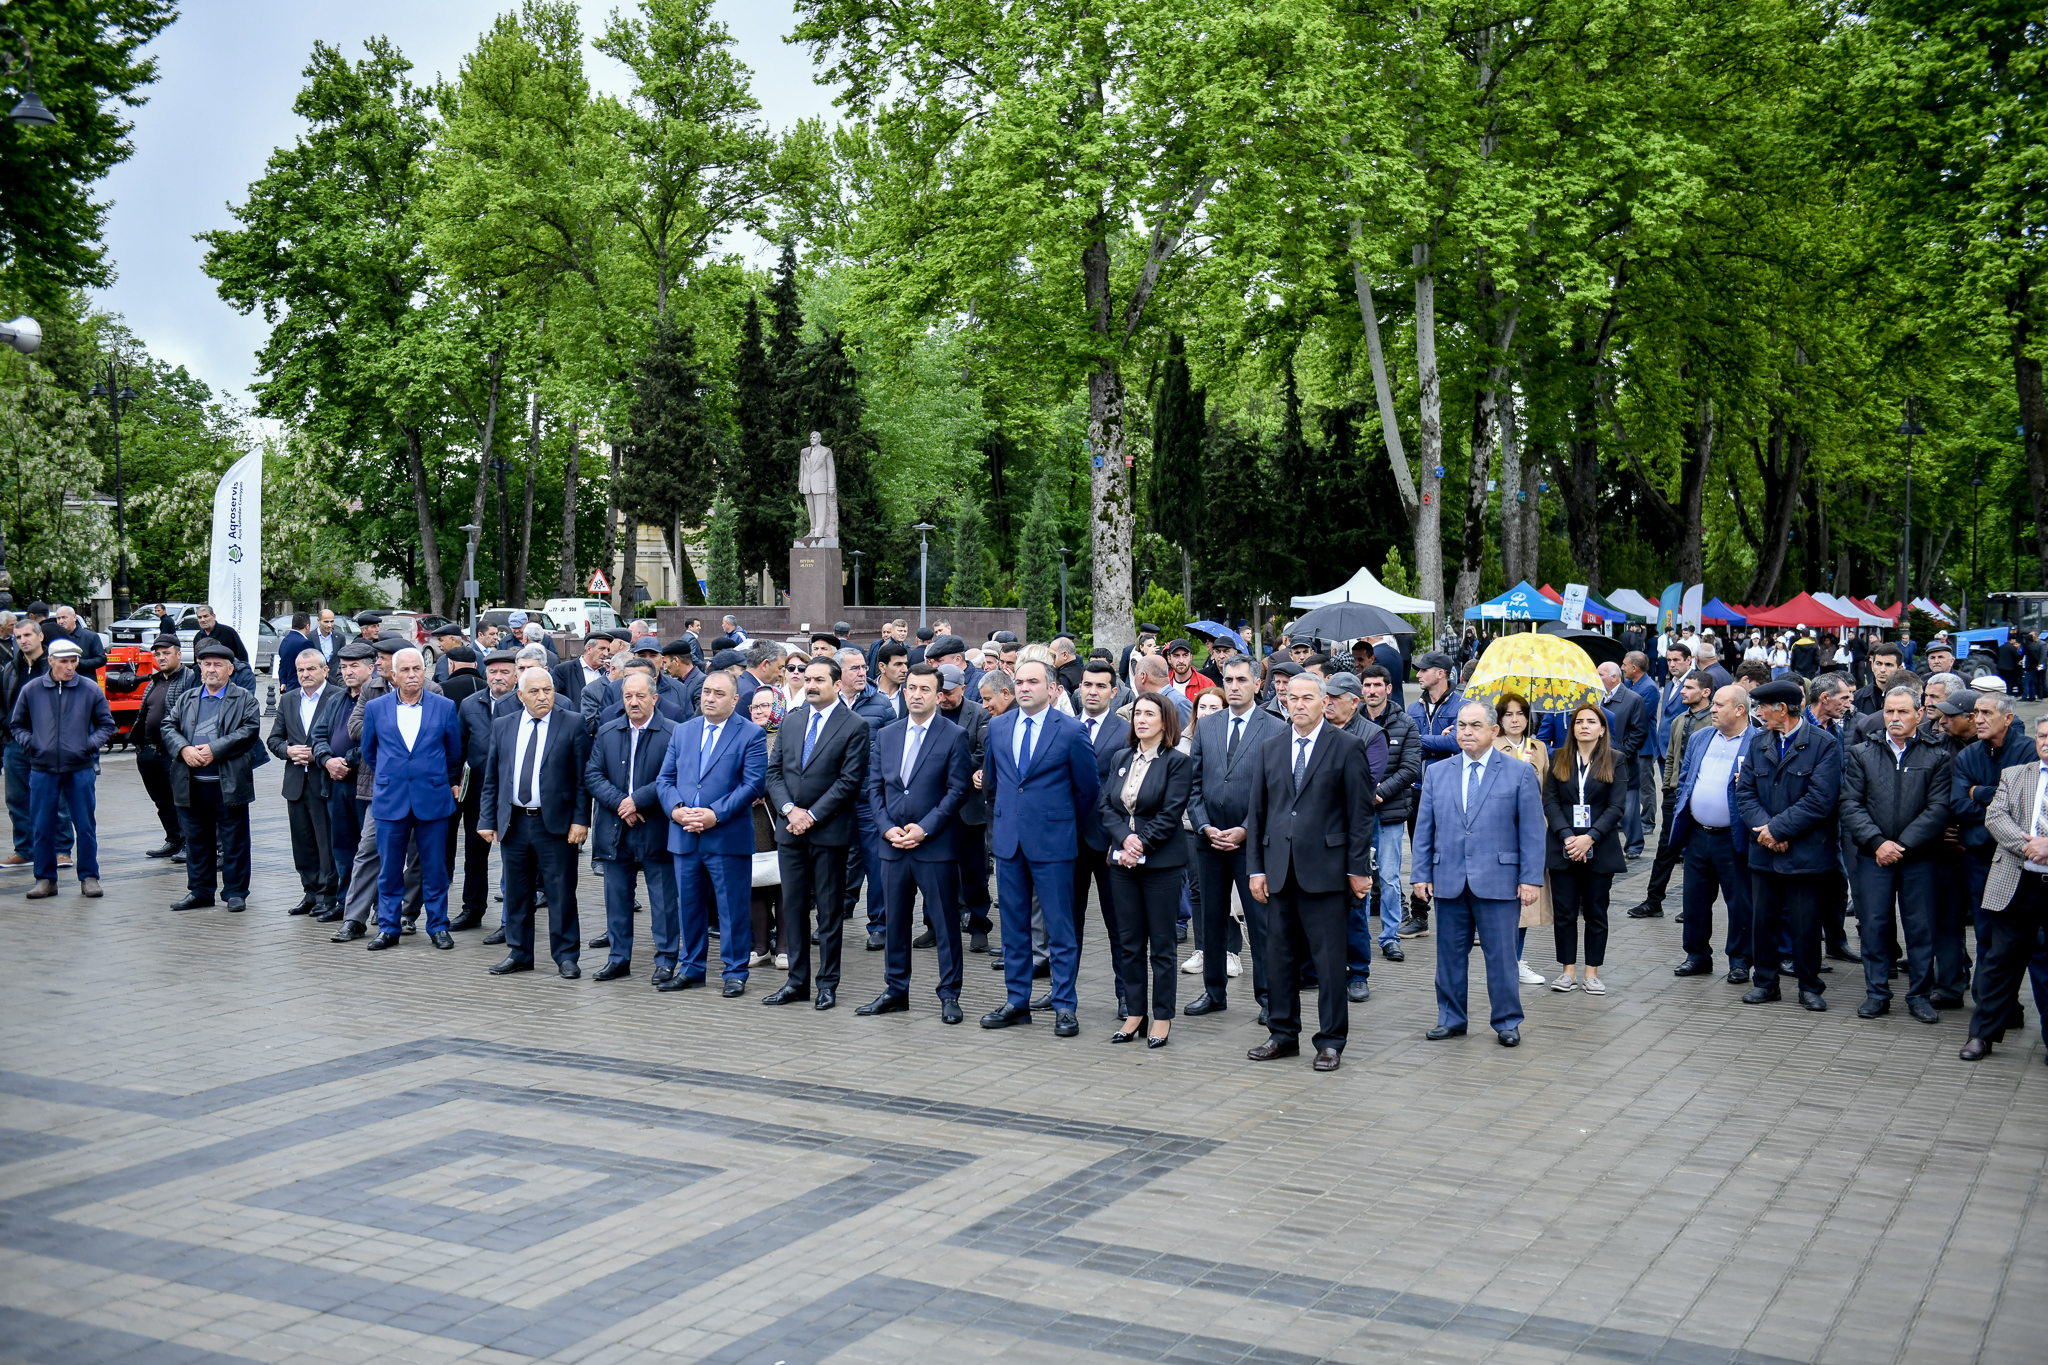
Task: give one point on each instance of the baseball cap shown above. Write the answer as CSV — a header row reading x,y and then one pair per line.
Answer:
x,y
951,676
1342,685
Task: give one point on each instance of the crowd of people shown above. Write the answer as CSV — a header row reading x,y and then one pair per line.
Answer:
x,y
746,791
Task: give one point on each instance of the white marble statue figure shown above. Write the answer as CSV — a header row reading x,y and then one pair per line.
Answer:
x,y
818,481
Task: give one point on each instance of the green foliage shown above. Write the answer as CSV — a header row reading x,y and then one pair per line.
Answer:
x,y
59,546
1394,574
1037,580
1164,608
668,461
965,587
723,577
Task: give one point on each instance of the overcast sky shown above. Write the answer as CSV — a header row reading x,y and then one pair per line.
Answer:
x,y
229,71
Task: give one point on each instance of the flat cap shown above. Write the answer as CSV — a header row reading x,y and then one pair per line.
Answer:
x,y
446,629
212,649
943,645
827,636
167,638
1983,682
354,649
1342,685
719,642
61,648
727,658
845,628
517,618
389,644
681,647
1435,659
1287,668
501,656
461,654
924,632
952,675
1778,692
1004,637
1147,628
369,618
647,644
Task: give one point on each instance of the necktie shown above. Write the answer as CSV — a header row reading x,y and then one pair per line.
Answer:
x,y
632,751
1236,733
1092,723
528,796
1472,770
811,735
1300,763
704,754
1024,755
910,743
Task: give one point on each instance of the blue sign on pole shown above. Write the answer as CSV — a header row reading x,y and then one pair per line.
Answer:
x,y
1098,462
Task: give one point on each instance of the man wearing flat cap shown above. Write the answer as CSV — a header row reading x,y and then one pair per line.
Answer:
x,y
212,731
1785,799
301,713
573,676
335,752
478,712
61,721
680,663
366,876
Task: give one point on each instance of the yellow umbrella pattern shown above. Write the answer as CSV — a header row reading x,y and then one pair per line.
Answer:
x,y
1553,673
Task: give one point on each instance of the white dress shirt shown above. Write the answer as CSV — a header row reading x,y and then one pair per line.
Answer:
x,y
309,702
409,722
528,796
1298,756
2040,819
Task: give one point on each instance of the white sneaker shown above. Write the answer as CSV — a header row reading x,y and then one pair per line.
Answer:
x,y
757,959
1529,977
1193,966
782,962
1235,968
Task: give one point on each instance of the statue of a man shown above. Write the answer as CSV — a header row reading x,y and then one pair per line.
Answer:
x,y
818,481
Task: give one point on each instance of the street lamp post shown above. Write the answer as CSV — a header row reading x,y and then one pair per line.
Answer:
x,y
856,577
1976,491
114,388
924,547
1909,429
469,584
30,112
1064,552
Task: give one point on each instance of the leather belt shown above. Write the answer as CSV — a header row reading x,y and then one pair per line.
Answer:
x,y
526,810
1711,829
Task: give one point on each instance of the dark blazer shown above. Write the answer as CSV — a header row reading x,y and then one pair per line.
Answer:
x,y
1795,795
972,718
311,780
479,711
1316,838
1220,790
568,676
240,727
285,665
1155,816
1609,801
331,737
1112,732
931,800
604,773
1630,729
1037,815
1886,799
416,781
606,703
829,785
736,774
564,798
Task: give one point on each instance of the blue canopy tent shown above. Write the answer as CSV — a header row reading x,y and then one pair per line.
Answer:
x,y
1519,603
1717,610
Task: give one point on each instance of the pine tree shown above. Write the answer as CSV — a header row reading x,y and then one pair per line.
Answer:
x,y
668,463
1038,562
760,479
969,529
722,554
1294,467
1238,528
1175,489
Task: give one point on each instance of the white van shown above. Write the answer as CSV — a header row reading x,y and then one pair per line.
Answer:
x,y
581,615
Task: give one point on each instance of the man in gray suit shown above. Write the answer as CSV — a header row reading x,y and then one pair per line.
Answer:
x,y
2015,899
300,714
1479,841
1224,749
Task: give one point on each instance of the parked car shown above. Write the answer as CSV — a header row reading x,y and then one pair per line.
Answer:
x,y
345,628
144,625
501,617
581,615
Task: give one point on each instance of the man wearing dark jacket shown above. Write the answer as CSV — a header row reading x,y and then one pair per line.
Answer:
x,y
1435,715
1631,737
63,624
629,835
1343,702
30,661
971,843
212,732
1696,714
1394,798
1225,748
61,721
170,681
1885,661
211,627
1895,794
2000,745
1785,799
478,712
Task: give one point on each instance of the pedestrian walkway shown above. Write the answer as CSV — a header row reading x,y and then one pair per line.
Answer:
x,y
223,1138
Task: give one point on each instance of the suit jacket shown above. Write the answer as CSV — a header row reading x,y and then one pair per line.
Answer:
x,y
568,676
1488,848
564,797
1220,786
604,773
1631,725
830,785
973,719
727,784
1609,801
607,702
1037,814
939,783
416,781
1689,774
479,711
1155,815
1112,732
284,666
2008,818
1795,795
310,780
331,737
1312,839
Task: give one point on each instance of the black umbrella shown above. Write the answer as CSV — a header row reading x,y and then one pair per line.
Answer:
x,y
1601,649
1350,621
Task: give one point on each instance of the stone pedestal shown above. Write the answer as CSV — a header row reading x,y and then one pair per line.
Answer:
x,y
817,588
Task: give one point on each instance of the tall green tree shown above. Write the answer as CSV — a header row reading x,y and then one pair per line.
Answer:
x,y
759,477
1038,562
668,463
966,587
1175,491
723,577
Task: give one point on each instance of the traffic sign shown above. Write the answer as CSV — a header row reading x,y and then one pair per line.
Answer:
x,y
598,582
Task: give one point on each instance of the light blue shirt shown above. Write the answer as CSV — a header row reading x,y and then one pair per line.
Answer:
x,y
1037,724
1471,772
1710,789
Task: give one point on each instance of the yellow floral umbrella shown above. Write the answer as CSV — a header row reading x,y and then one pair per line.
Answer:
x,y
1552,672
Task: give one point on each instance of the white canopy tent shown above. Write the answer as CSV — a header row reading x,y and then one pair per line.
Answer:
x,y
1849,609
1633,602
1363,587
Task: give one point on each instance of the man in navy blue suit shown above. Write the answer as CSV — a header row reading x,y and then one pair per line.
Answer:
x,y
536,808
1479,847
916,782
716,765
413,740
1041,776
628,834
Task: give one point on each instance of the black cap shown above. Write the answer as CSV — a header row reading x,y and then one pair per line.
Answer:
x,y
1004,637
727,658
389,644
167,638
924,632
1287,668
461,654
447,628
1962,704
943,645
369,618
1172,645
681,647
1778,692
1433,659
501,656
719,642
827,636
1147,628
213,649
357,649
624,637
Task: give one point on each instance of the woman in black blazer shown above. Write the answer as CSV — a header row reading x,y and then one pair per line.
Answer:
x,y
1142,802
1584,801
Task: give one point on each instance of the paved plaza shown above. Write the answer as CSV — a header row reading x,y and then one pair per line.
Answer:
x,y
224,1139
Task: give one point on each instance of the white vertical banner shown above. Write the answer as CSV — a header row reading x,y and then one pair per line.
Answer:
x,y
234,580
1574,605
1689,607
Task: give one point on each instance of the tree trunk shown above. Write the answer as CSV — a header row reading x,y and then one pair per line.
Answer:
x,y
1114,520
1187,582
688,594
487,431
611,520
1390,426
1692,493
1577,472
629,571
2027,382
1513,506
1472,554
1784,474
1930,559
526,532
571,483
1429,453
423,503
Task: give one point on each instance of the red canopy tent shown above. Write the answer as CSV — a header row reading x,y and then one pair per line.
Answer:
x,y
1552,593
1873,608
1801,611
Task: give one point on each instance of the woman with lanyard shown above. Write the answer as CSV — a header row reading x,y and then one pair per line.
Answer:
x,y
1518,740
1143,800
765,905
1584,802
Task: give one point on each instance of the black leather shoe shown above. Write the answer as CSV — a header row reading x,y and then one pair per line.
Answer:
x,y
179,856
235,903
1941,1000
1065,1025
612,971
443,940
468,919
733,990
1761,995
1041,970
949,1012
1647,910
381,942
1327,1059
661,973
1415,926
1694,966
509,966
569,970
495,937
1976,1050
327,914
1009,1016
789,992
1873,1007
1443,1031
1273,1049
928,939
1510,1037
350,929
1392,952
1737,975
163,850
1358,992
827,998
192,901
304,907
1840,953
1205,1003
877,940
884,1004
1812,1000
1923,1011
1265,1019
1043,1002
977,942
601,941
677,982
